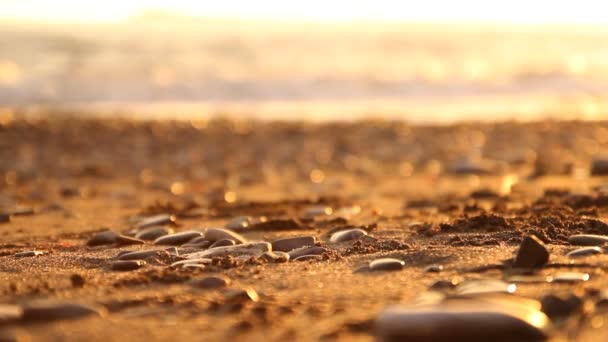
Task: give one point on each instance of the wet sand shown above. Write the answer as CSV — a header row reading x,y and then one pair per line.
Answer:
x,y
462,196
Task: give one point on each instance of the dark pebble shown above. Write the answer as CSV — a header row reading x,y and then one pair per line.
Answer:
x,y
127,265
77,280
223,243
309,257
177,238
107,237
532,253
556,306
123,240
51,311
211,282
585,251
4,218
156,220
347,235
29,254
139,255
153,233
216,234
433,269
588,240
315,250
288,244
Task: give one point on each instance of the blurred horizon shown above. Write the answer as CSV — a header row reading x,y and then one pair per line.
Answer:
x,y
428,62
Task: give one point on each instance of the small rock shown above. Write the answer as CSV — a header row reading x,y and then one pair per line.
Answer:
x,y
216,234
314,250
318,210
433,269
309,258
239,223
570,277
107,237
275,256
585,251
599,167
386,264
77,280
127,265
123,240
4,218
177,238
50,311
444,284
211,282
223,243
153,233
288,244
347,235
588,240
483,286
10,313
250,249
462,321
156,220
200,261
139,255
29,254
242,295
559,306
532,253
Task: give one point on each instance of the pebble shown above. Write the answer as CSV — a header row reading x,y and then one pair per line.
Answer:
x,y
199,240
444,284
216,234
588,240
275,256
250,248
309,258
4,218
314,250
289,244
463,321
124,240
139,255
155,220
532,253
242,295
386,264
483,286
50,311
127,265
77,280
10,313
200,261
599,167
239,223
559,306
211,282
223,243
585,251
570,277
318,210
29,254
107,237
529,279
177,238
153,233
347,235
433,269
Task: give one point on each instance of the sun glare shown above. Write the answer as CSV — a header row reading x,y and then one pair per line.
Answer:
x,y
516,11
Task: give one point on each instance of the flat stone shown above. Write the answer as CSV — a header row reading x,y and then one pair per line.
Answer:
x,y
585,251
127,265
314,250
289,244
10,313
223,243
347,235
199,240
153,233
588,240
570,277
462,321
123,240
433,269
200,261
51,311
484,286
239,223
275,256
310,257
216,234
211,282
177,238
386,264
107,237
29,254
140,255
242,295
250,249
156,220
561,305
532,253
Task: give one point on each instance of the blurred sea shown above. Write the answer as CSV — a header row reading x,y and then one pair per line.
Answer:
x,y
184,67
